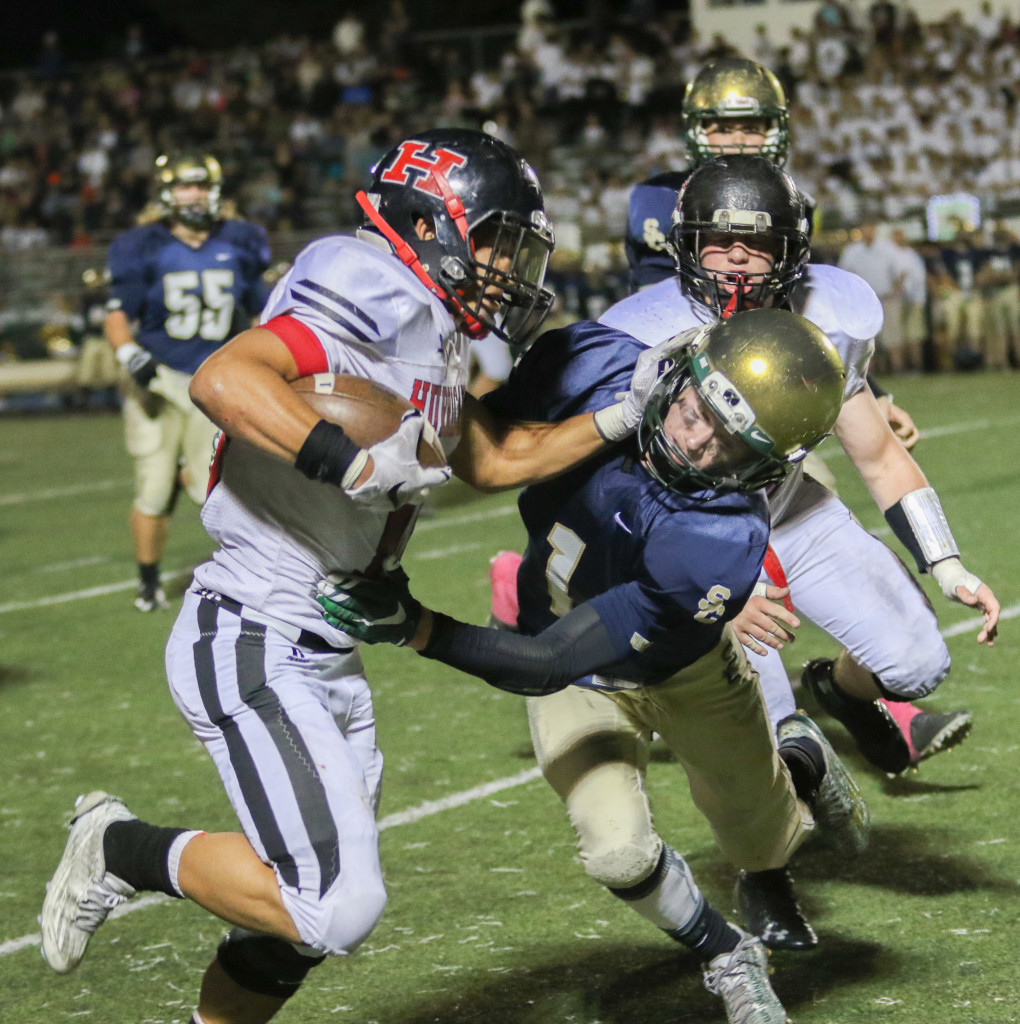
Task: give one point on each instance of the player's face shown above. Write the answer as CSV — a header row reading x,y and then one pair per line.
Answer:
x,y
732,258
499,260
736,134
192,194
702,439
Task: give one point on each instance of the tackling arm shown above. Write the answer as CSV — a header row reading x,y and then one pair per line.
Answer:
x,y
495,455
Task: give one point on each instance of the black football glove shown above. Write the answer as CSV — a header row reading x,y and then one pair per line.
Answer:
x,y
138,362
373,611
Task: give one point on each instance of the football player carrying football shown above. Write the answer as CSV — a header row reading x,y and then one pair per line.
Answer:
x,y
180,287
455,243
636,562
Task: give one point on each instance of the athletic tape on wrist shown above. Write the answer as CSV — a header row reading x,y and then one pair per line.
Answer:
x,y
920,525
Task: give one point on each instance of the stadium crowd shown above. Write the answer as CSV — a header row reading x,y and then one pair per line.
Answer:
x,y
886,111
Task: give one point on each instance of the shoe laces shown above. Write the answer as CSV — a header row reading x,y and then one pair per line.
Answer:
x,y
99,899
741,976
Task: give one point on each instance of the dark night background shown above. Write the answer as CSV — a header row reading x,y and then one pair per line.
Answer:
x,y
89,30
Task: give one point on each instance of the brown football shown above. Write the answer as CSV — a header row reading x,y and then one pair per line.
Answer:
x,y
368,412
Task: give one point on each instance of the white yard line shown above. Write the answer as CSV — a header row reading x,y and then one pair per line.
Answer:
x,y
62,492
406,817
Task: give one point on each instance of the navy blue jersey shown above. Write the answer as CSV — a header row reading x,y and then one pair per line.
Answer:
x,y
649,219
188,301
664,571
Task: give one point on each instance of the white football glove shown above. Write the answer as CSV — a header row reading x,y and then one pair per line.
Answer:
x,y
397,477
618,421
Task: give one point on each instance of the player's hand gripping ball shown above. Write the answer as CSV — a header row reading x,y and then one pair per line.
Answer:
x,y
407,458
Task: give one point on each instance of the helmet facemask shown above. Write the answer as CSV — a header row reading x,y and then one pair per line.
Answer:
x,y
502,252
728,292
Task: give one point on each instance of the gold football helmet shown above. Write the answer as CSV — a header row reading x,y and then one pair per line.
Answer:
x,y
733,88
769,377
189,169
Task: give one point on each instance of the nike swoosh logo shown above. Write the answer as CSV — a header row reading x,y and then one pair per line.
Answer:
x,y
619,522
223,256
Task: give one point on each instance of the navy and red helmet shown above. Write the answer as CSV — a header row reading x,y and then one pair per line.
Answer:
x,y
472,192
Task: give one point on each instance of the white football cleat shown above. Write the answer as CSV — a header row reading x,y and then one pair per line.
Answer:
x,y
741,978
81,893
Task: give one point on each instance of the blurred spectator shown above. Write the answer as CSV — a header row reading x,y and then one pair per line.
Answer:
x,y
877,260
913,326
998,284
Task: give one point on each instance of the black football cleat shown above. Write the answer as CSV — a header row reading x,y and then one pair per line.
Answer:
x,y
873,728
769,908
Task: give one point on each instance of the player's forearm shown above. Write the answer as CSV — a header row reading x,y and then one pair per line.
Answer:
x,y
118,330
575,646
496,456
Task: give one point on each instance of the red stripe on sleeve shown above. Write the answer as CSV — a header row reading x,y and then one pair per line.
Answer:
x,y
304,346
774,571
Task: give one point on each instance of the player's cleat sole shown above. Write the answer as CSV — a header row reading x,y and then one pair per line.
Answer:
x,y
874,730
81,893
930,732
769,908
741,979
843,819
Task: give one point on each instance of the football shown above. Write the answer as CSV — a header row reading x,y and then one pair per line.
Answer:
x,y
368,411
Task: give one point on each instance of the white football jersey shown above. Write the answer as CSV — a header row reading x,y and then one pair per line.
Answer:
x,y
838,302
278,532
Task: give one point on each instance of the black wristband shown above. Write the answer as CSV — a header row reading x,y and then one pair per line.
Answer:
x,y
327,453
902,530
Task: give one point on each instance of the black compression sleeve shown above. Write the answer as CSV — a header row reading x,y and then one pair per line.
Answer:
x,y
529,665
327,453
876,389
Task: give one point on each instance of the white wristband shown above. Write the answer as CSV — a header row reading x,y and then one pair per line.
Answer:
x,y
350,477
950,574
125,353
611,423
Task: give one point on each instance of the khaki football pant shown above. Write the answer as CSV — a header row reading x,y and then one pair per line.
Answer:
x,y
593,748
165,432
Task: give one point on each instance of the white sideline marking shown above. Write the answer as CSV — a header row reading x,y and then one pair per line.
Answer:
x,y
406,817
114,588
62,492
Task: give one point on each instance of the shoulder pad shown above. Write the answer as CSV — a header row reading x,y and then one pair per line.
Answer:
x,y
838,302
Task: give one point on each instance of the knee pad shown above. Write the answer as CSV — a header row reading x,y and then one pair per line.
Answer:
x,y
265,965
625,864
341,920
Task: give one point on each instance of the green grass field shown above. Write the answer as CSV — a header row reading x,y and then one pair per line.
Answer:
x,y
491,919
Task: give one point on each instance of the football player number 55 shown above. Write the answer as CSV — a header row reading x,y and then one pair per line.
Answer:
x,y
199,305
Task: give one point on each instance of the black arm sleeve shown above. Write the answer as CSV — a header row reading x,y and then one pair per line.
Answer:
x,y
528,665
876,389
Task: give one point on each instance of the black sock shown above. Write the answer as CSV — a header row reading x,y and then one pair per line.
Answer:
x,y
138,854
709,934
148,573
806,763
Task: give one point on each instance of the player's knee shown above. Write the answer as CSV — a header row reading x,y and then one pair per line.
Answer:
x,y
918,674
347,915
623,863
265,965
